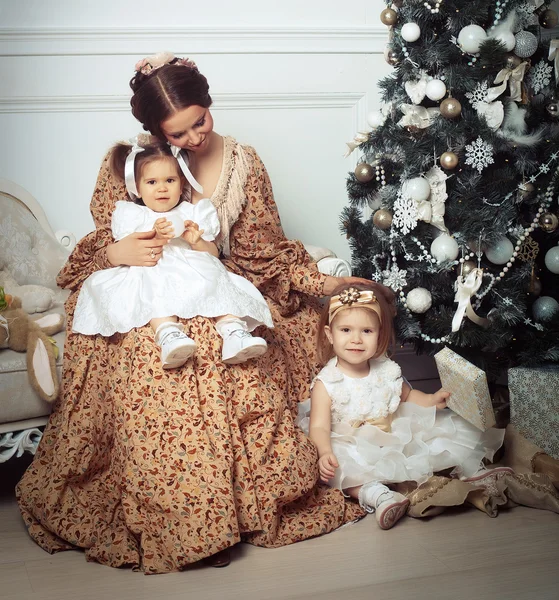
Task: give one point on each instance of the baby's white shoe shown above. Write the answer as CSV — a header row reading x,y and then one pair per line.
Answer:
x,y
389,507
176,346
239,346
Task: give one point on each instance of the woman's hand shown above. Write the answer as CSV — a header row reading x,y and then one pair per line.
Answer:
x,y
327,465
332,283
164,229
139,249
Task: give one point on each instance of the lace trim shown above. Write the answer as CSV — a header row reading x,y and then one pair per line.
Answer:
x,y
229,197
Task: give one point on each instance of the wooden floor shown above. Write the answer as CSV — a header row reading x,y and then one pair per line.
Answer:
x,y
462,554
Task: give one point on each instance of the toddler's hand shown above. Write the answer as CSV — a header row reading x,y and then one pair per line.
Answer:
x,y
327,465
192,232
439,399
163,228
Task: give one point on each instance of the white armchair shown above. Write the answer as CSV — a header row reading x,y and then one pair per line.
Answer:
x,y
34,254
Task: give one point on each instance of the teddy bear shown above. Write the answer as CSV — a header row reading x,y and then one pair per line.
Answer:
x,y
34,298
19,332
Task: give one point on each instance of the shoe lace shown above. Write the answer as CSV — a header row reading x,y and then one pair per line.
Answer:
x,y
172,335
240,333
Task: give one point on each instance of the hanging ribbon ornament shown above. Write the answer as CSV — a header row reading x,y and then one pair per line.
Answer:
x,y
554,56
465,289
511,77
417,116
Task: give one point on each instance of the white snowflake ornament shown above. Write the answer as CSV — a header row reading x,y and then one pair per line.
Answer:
x,y
479,154
405,214
394,278
539,76
478,94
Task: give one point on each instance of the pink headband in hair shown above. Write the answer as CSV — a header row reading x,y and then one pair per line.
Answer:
x,y
156,61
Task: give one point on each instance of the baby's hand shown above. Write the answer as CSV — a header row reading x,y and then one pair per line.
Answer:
x,y
327,465
192,232
163,228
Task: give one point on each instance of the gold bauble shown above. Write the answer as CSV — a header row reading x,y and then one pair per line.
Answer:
x,y
553,108
391,57
451,108
466,267
512,61
364,172
549,222
548,19
448,160
389,17
535,286
382,218
526,190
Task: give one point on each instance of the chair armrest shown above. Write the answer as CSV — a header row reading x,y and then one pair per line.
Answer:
x,y
336,267
328,263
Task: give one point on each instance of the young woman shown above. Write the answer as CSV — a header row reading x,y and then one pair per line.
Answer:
x,y
159,469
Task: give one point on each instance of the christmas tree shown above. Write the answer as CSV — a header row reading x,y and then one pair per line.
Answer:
x,y
454,201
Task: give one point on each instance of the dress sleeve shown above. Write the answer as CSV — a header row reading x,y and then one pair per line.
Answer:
x,y
90,253
128,218
280,268
205,215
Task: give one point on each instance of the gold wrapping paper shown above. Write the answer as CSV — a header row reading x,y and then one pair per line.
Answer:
x,y
469,394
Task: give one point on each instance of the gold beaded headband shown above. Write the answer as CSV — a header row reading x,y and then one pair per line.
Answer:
x,y
349,299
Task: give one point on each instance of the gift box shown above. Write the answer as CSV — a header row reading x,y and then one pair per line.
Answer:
x,y
469,394
534,405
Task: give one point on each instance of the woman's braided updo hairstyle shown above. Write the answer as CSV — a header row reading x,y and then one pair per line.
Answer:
x,y
163,92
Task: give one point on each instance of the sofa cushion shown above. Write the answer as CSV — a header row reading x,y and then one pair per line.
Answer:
x,y
27,251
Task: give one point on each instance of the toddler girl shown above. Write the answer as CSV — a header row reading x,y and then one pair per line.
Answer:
x,y
369,427
188,279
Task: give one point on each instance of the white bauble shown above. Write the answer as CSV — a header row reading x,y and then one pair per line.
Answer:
x,y
507,39
545,308
500,252
444,248
471,37
417,189
552,259
419,300
375,119
435,89
411,32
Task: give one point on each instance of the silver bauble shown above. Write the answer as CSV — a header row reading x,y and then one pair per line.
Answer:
x,y
526,44
545,308
552,259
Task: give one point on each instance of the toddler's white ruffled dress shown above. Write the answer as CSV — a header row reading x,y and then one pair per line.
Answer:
x,y
185,282
375,437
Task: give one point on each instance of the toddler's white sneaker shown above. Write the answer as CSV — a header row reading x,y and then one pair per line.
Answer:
x,y
389,507
239,346
176,347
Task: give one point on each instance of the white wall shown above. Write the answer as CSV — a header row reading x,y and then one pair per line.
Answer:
x,y
295,79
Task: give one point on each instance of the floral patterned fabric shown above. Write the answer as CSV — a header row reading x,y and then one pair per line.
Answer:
x,y
157,469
